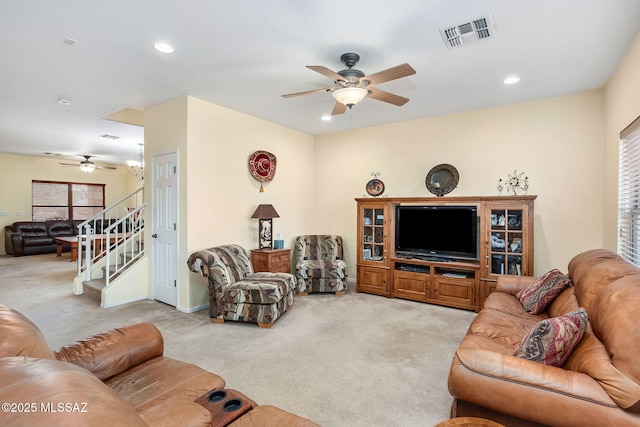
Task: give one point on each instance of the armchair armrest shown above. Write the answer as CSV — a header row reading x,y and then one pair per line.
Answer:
x,y
113,352
511,284
200,261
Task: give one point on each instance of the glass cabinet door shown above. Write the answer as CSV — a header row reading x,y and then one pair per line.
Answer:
x,y
373,245
505,249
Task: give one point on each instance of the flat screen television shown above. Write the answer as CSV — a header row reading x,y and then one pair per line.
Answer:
x,y
437,232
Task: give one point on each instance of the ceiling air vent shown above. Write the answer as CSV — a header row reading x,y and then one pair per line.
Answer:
x,y
469,32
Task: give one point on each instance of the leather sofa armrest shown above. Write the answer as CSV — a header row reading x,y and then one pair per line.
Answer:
x,y
512,284
13,242
52,393
486,377
113,352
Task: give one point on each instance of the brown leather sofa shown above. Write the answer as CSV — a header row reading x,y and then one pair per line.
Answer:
x,y
599,385
116,378
33,237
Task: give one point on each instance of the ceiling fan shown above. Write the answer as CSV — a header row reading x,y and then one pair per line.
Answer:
x,y
352,86
87,165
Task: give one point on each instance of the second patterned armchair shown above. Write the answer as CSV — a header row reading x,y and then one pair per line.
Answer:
x,y
319,264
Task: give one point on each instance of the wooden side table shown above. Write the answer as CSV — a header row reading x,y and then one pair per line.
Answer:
x,y
272,260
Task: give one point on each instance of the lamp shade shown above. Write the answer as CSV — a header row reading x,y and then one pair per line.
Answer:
x,y
265,211
350,95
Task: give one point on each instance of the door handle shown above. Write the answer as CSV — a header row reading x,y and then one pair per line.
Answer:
x,y
154,235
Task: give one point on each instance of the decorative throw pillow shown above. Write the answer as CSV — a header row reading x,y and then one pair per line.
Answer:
x,y
552,340
539,294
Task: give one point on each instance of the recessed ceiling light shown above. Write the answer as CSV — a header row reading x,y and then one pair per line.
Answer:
x,y
326,118
163,47
511,80
64,101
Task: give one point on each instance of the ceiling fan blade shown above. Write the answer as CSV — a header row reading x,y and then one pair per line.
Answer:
x,y
70,164
105,167
381,95
308,92
338,109
389,74
326,72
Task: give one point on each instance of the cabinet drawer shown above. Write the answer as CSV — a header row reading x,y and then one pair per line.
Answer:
x,y
280,259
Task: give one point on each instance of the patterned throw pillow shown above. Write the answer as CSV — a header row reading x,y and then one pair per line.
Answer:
x,y
537,296
552,340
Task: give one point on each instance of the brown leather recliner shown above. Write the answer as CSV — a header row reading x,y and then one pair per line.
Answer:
x,y
116,378
599,385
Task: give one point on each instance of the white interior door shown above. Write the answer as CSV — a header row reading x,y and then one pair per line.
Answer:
x,y
164,222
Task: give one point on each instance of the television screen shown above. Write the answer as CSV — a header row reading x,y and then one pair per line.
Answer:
x,y
434,232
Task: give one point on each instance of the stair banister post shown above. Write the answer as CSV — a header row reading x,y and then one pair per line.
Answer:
x,y
87,242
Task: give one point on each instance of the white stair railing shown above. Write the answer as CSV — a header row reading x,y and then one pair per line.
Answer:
x,y
116,234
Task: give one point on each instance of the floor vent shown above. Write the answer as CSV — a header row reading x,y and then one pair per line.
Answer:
x,y
468,32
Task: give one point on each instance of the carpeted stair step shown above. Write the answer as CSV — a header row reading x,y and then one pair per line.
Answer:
x,y
93,288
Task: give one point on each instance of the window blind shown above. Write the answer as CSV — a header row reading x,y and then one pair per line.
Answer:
x,y
66,200
629,193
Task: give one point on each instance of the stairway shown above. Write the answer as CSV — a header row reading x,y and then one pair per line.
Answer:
x,y
112,244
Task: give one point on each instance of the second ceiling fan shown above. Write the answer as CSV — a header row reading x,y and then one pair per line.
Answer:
x,y
87,165
352,86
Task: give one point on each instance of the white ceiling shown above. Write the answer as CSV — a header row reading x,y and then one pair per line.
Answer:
x,y
245,54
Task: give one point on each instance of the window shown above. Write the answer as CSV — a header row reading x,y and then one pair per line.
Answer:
x,y
629,194
65,200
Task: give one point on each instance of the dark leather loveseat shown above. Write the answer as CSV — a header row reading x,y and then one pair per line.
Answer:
x,y
32,237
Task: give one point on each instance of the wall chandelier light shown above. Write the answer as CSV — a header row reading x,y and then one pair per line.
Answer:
x,y
136,167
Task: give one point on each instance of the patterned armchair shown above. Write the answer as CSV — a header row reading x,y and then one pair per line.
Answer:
x,y
236,292
319,264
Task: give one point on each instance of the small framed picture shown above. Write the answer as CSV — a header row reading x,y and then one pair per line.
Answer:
x,y
366,254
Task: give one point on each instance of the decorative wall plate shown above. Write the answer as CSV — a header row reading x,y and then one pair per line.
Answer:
x,y
262,166
442,179
375,187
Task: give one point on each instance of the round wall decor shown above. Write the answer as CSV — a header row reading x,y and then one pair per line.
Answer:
x,y
262,166
442,179
375,187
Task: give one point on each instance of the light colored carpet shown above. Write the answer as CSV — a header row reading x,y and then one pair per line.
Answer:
x,y
355,360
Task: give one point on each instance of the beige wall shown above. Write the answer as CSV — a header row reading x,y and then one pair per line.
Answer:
x,y
622,106
218,194
17,172
557,142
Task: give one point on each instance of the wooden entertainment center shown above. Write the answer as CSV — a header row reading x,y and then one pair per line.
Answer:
x,y
504,239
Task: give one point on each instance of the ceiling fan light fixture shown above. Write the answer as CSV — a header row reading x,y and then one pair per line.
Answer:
x,y
163,47
350,96
87,167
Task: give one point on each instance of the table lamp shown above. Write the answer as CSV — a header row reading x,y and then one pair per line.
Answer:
x,y
264,214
